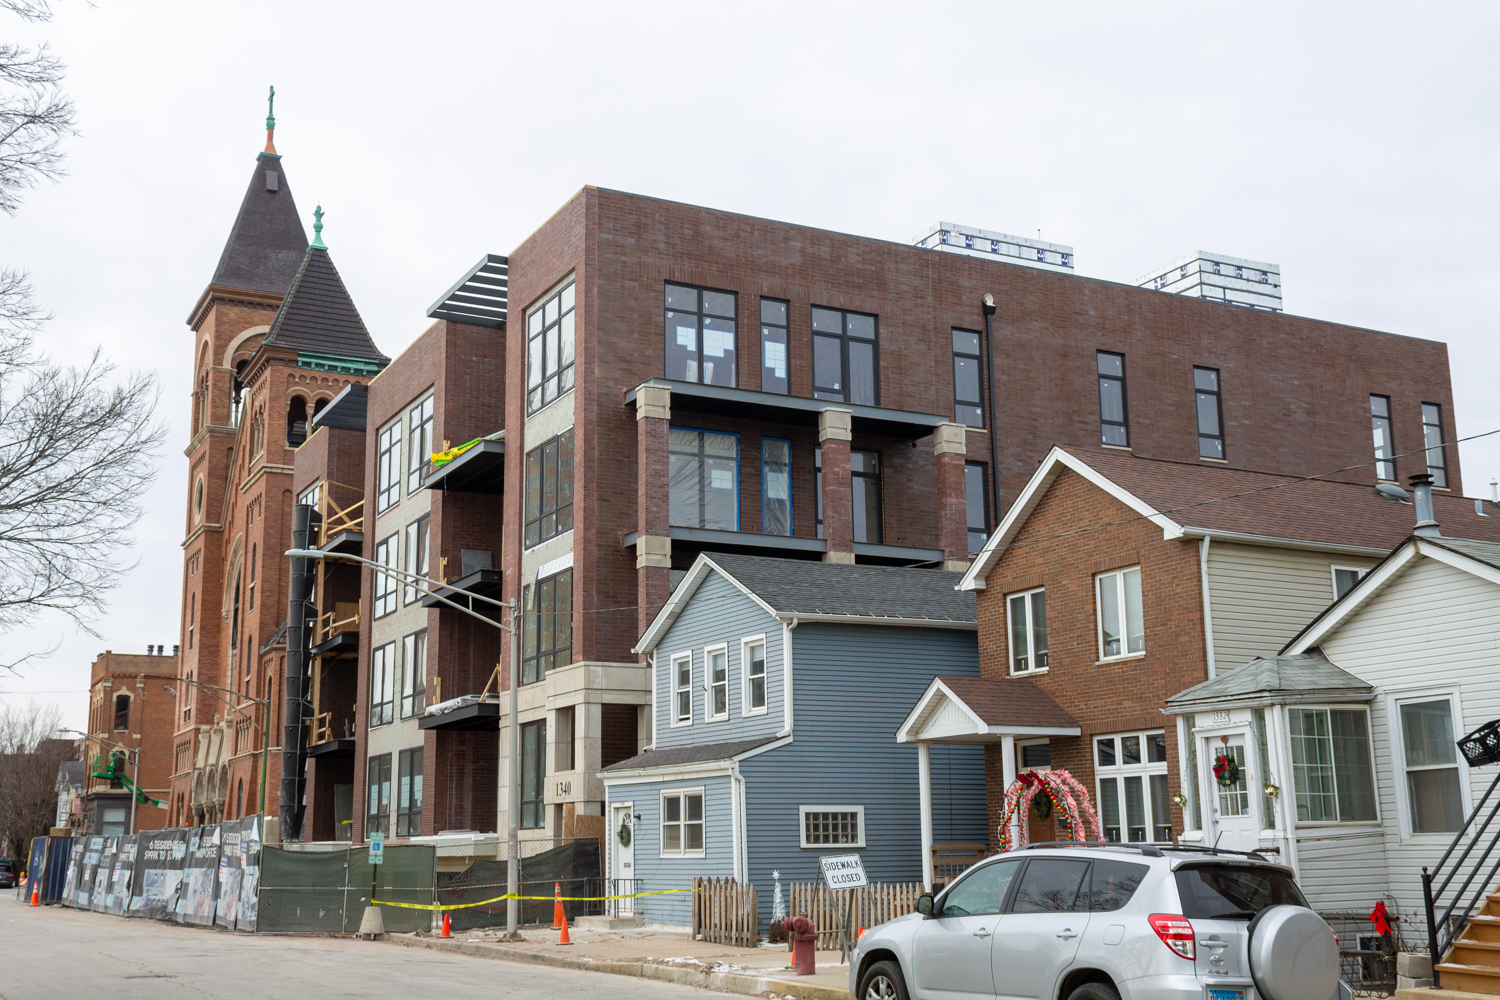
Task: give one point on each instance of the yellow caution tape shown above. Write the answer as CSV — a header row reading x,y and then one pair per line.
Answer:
x,y
501,899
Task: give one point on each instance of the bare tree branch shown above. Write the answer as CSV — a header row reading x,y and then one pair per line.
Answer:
x,y
29,10
30,755
34,117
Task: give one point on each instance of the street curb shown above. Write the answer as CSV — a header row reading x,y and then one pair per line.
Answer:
x,y
729,982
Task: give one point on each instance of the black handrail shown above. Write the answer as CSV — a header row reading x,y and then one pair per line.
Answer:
x,y
1440,929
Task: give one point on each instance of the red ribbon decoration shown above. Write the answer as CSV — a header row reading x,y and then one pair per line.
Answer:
x,y
1378,917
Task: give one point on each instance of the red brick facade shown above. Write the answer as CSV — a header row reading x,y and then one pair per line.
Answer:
x,y
133,683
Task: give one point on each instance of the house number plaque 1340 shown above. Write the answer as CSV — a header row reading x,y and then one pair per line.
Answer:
x,y
564,788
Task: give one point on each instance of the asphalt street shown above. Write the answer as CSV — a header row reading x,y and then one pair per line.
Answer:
x,y
50,952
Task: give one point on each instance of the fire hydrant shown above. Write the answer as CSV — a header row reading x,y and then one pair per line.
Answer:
x,y
804,946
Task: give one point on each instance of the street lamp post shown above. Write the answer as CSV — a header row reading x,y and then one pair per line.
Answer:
x,y
513,825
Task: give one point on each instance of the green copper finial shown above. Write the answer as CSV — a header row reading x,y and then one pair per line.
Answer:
x,y
271,110
317,243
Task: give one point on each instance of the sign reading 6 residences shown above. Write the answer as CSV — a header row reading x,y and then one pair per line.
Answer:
x,y
843,871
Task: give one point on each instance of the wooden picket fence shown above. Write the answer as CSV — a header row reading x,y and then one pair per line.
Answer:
x,y
725,912
874,904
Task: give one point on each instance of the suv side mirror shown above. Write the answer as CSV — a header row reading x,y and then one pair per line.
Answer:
x,y
924,904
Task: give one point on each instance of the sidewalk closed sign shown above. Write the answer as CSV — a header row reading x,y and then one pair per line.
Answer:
x,y
377,848
843,871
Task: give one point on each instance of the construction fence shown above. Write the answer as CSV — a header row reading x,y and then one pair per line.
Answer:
x,y
225,876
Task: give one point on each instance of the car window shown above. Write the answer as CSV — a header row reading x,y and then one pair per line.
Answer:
x,y
1112,883
1050,885
981,891
1234,891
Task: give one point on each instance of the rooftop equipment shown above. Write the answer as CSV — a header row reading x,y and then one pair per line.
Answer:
x,y
1233,280
950,237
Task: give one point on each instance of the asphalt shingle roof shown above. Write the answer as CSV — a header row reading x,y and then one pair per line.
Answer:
x,y
668,756
1482,551
318,315
1010,701
266,242
797,586
1286,675
1315,510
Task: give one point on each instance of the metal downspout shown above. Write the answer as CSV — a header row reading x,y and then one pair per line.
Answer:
x,y
989,347
1208,618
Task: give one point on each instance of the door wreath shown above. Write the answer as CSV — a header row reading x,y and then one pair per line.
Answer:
x,y
1226,770
624,834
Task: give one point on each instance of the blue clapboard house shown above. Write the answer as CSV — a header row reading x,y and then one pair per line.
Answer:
x,y
779,685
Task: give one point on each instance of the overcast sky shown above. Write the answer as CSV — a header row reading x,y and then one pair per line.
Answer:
x,y
1355,145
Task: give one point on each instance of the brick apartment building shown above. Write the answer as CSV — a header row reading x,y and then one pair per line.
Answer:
x,y
132,703
1116,581
275,337
689,380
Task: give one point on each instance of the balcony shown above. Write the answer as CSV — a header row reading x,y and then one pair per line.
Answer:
x,y
484,582
337,631
691,397
321,741
694,540
478,468
467,712
341,518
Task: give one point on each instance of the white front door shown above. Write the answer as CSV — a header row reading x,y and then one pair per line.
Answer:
x,y
1236,826
622,867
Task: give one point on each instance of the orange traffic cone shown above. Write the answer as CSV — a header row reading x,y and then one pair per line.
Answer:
x,y
563,937
447,928
36,894
558,919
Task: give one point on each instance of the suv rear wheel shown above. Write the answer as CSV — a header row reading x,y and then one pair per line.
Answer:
x,y
1095,991
882,981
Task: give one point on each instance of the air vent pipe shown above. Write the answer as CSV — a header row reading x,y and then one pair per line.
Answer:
x,y
1421,488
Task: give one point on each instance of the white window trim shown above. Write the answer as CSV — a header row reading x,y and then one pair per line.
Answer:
x,y
1023,744
1125,652
1333,576
676,720
1112,772
802,812
1030,635
661,821
708,682
1290,791
1397,744
745,645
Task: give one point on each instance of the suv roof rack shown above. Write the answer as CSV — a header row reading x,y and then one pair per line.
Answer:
x,y
1198,849
1149,850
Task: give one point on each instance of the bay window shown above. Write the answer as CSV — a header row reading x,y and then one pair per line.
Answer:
x,y
1332,771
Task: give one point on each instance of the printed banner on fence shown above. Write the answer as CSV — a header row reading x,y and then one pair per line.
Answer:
x,y
200,877
158,873
69,895
84,887
103,872
237,836
250,844
117,900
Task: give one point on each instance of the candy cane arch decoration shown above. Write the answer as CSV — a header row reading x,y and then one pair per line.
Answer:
x,y
1070,800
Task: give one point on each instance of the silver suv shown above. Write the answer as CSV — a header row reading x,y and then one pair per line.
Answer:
x,y
1106,922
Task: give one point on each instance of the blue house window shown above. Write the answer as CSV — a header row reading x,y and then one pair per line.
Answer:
x,y
703,479
776,479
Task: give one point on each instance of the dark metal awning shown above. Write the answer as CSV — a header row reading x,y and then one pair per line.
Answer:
x,y
481,469
690,397
352,542
346,410
479,297
481,715
484,582
331,748
343,642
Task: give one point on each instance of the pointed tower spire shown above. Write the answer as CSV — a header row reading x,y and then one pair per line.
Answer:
x,y
270,149
317,243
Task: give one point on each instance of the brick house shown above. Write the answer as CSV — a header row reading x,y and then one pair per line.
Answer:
x,y
275,338
131,704
1116,581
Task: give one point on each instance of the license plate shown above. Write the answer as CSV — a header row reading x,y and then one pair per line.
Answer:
x,y
1214,994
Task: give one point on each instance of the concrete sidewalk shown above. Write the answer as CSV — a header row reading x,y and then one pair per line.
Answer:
x,y
664,953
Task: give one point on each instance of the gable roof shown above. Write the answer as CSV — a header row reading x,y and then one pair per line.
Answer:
x,y
319,317
963,709
266,242
700,753
1280,679
1477,557
1197,499
819,591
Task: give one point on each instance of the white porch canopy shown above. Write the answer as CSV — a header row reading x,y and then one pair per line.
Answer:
x,y
977,710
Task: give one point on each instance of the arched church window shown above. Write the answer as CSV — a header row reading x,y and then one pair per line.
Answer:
x,y
296,422
239,389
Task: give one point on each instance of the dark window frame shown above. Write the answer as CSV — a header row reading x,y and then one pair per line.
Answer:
x,y
818,490
877,476
1439,471
1217,392
843,338
413,695
388,466
541,471
1385,454
560,378
1124,422
786,347
538,625
418,542
534,772
765,491
378,795
983,530
699,326
419,421
565,745
409,793
384,588
701,454
120,716
978,359
383,711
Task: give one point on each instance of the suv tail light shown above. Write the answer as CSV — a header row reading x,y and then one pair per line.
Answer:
x,y
1175,932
